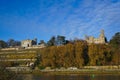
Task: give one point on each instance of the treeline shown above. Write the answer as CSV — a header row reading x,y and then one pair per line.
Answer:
x,y
79,53
59,40
9,43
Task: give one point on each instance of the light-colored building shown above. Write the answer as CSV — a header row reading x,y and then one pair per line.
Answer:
x,y
28,43
100,40
36,46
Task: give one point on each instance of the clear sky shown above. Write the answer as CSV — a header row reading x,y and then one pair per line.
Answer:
x,y
23,19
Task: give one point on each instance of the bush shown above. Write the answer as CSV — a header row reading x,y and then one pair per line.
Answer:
x,y
6,75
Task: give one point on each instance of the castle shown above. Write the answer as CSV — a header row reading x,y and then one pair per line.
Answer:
x,y
100,40
31,44
28,43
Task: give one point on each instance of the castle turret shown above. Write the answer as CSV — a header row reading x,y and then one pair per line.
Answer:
x,y
102,37
102,34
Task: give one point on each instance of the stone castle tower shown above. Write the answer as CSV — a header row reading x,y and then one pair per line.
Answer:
x,y
99,40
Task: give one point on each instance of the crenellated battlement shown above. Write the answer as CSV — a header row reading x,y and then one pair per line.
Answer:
x,y
99,40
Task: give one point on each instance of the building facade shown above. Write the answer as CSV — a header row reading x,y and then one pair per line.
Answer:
x,y
28,43
100,40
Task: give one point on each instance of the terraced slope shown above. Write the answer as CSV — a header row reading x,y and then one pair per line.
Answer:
x,y
13,58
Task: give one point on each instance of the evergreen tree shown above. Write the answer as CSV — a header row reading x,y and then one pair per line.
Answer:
x,y
3,44
52,41
115,44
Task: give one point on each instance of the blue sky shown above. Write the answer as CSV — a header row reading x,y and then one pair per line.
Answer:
x,y
23,19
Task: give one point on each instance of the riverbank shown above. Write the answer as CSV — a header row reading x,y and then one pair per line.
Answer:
x,y
72,72
68,76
